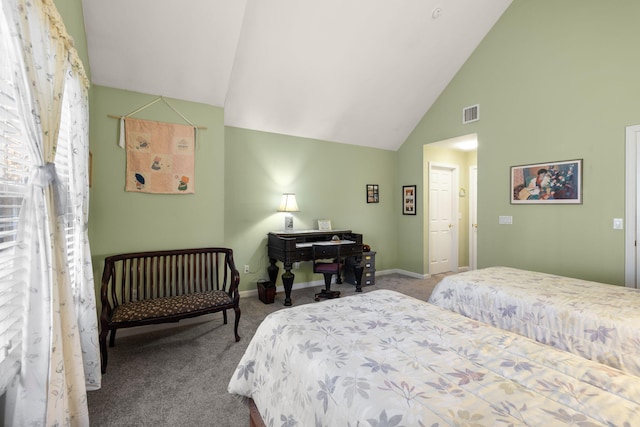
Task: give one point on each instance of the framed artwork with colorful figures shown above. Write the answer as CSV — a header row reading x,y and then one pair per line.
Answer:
x,y
547,183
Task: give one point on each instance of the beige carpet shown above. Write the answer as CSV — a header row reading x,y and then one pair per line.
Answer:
x,y
179,376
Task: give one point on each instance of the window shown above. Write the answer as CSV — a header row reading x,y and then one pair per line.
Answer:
x,y
37,298
15,164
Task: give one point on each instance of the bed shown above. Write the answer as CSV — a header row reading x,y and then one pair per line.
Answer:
x,y
386,359
594,320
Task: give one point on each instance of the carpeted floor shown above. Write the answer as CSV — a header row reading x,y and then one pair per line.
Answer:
x,y
179,376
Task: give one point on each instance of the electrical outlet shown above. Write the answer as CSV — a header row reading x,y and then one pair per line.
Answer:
x,y
246,268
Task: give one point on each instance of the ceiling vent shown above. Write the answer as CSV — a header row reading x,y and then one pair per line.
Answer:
x,y
471,114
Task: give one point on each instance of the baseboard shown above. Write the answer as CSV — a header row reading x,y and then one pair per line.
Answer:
x,y
409,273
315,283
302,285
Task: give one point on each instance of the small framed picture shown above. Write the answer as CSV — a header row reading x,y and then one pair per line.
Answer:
x,y
324,224
408,199
288,222
373,196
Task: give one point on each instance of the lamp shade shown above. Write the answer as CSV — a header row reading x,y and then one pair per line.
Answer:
x,y
288,203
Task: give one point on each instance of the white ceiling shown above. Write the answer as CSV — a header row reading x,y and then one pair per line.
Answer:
x,y
360,72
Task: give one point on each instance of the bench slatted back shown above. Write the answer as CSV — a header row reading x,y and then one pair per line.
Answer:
x,y
149,275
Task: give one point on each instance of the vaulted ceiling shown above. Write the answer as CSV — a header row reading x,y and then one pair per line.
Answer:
x,y
360,72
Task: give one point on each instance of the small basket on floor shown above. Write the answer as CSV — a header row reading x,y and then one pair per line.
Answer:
x,y
266,291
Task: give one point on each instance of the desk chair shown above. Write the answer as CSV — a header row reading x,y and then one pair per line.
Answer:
x,y
321,254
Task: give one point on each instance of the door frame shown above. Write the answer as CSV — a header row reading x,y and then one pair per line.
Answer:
x,y
455,211
473,211
632,177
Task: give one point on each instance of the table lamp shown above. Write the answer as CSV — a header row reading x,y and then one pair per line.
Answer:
x,y
288,204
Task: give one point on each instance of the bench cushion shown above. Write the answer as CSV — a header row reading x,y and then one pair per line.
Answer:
x,y
169,306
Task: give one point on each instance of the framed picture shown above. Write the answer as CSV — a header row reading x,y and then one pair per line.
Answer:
x,y
547,183
372,193
324,224
288,222
408,200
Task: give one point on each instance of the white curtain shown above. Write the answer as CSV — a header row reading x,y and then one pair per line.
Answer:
x,y
60,356
77,137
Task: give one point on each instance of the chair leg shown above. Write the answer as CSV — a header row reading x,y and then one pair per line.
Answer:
x,y
327,281
327,292
235,327
103,350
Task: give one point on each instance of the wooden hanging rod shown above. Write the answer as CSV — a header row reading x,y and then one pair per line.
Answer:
x,y
160,98
113,116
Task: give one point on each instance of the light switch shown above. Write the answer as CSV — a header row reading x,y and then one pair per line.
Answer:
x,y
617,223
505,219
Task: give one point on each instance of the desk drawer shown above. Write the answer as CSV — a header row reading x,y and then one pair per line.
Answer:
x,y
348,250
326,252
368,282
369,261
301,254
368,264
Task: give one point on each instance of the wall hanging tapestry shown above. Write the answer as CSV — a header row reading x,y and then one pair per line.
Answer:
x,y
160,157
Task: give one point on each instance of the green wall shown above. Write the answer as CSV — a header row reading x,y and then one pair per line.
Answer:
x,y
329,180
71,12
121,221
240,176
555,81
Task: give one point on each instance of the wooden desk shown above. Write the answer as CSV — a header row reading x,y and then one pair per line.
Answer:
x,y
295,246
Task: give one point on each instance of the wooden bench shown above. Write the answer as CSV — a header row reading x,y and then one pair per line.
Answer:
x,y
146,288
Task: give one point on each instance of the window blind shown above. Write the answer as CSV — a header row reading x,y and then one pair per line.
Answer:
x,y
64,165
15,164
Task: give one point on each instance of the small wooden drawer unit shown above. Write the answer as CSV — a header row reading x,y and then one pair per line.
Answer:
x,y
368,269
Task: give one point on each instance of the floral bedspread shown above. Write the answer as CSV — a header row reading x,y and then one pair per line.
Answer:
x,y
594,320
385,359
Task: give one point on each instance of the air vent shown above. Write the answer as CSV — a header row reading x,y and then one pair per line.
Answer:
x,y
471,114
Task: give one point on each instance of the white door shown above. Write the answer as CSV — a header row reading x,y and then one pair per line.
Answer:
x,y
632,257
443,248
473,218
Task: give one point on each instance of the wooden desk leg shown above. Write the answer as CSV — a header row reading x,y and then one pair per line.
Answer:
x,y
357,270
287,281
272,270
